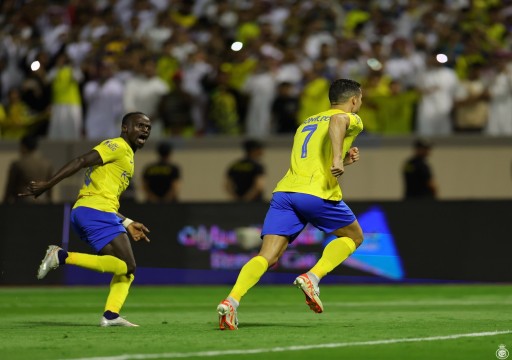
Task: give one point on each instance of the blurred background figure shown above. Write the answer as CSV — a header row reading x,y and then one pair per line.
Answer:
x,y
194,71
260,89
174,110
396,110
377,85
144,93
66,120
418,177
285,108
500,91
437,85
245,178
104,99
16,120
36,93
31,166
223,116
471,102
161,180
314,97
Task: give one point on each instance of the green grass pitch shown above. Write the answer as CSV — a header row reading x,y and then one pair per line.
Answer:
x,y
359,322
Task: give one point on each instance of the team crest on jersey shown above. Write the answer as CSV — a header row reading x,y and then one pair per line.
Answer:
x,y
125,176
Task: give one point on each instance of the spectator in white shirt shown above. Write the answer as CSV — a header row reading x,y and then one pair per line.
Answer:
x,y
144,91
438,85
500,91
104,103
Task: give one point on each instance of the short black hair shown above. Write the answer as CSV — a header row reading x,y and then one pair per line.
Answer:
x,y
30,142
128,117
164,149
251,144
343,89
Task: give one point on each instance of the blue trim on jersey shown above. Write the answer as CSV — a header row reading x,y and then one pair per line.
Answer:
x,y
289,213
97,228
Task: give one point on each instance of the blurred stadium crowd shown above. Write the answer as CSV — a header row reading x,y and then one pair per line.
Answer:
x,y
70,69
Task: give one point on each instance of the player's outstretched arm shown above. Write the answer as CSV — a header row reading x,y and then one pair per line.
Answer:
x,y
36,188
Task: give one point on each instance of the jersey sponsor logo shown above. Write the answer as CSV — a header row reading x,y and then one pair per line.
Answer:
x,y
317,119
111,145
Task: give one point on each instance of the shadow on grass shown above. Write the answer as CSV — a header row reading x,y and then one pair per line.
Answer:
x,y
54,323
276,325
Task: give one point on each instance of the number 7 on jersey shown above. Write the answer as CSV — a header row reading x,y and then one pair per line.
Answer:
x,y
311,129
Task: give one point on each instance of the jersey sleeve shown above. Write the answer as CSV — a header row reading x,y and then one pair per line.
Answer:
x,y
109,150
355,121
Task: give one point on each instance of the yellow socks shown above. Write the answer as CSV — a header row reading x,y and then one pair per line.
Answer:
x,y
249,276
101,263
119,287
120,284
334,254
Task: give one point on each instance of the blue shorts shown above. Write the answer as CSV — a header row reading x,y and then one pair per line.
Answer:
x,y
97,228
289,213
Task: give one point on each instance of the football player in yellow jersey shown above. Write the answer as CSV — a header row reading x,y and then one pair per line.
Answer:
x,y
309,193
95,215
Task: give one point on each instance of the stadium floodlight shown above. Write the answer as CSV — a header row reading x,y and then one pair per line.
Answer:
x,y
374,64
441,58
35,65
237,46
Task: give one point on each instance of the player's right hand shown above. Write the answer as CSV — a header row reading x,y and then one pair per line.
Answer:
x,y
35,188
138,231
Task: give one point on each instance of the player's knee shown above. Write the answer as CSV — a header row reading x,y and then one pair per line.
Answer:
x,y
130,267
272,261
358,239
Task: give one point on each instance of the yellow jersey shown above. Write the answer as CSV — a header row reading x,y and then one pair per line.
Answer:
x,y
104,184
311,158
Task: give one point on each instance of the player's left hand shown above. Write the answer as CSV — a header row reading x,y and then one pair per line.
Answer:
x,y
138,231
352,156
337,168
